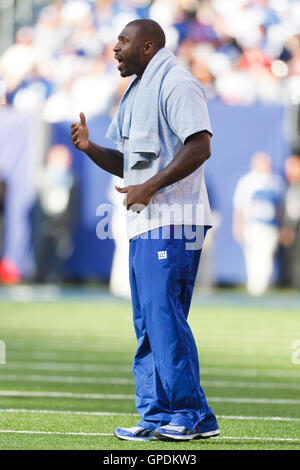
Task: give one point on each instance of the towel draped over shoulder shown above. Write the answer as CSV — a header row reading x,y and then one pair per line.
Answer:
x,y
137,117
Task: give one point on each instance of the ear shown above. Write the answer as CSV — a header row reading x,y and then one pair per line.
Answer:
x,y
148,47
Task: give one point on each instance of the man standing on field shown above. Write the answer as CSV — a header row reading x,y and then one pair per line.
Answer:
x,y
162,131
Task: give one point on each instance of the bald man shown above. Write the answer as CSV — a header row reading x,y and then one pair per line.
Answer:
x,y
162,131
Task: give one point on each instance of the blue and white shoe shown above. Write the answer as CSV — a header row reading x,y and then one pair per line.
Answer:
x,y
135,433
180,433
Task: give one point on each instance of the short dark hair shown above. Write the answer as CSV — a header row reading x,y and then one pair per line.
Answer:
x,y
150,30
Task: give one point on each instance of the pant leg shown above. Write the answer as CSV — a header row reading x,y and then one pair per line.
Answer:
x,y
151,401
165,285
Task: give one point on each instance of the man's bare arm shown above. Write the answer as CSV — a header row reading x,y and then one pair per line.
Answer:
x,y
108,159
195,151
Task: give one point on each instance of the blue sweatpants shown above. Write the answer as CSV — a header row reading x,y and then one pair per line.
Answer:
x,y
166,368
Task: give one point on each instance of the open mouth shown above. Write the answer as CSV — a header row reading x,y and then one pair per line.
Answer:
x,y
120,64
120,60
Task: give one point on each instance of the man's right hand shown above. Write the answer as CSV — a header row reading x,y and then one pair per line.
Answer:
x,y
80,134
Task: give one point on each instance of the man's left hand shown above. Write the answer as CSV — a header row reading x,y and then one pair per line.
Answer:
x,y
137,197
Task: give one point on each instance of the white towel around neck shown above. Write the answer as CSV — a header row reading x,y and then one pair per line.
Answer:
x,y
137,117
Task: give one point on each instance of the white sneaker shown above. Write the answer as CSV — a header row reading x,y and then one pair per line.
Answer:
x,y
135,433
180,433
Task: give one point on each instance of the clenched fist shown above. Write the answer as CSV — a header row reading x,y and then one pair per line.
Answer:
x,y
80,134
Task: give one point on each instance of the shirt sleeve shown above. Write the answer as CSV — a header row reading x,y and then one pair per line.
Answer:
x,y
187,111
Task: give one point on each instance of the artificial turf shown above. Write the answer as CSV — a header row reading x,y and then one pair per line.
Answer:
x,y
67,381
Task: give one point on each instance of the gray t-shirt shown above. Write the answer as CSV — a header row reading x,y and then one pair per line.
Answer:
x,y
182,112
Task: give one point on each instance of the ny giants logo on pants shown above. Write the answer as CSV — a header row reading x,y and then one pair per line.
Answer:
x,y
162,254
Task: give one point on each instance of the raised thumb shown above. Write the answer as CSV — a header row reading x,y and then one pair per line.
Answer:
x,y
82,119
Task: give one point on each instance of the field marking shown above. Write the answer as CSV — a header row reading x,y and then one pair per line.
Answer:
x,y
67,412
112,413
97,396
67,379
56,351
124,381
257,438
258,418
241,384
276,401
66,340
61,433
56,432
54,355
248,372
85,367
120,381
91,367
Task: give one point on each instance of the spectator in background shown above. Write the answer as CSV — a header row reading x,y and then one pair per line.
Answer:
x,y
18,60
290,232
257,206
54,215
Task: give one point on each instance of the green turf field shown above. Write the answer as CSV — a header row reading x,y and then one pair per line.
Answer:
x,y
67,382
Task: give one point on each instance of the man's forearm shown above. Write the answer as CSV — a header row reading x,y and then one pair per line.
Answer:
x,y
195,151
187,160
108,159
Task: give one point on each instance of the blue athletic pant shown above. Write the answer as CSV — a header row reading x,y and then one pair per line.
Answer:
x,y
166,368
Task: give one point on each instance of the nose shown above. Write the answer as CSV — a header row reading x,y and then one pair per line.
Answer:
x,y
116,47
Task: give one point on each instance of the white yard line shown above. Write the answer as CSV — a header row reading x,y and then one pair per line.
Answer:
x,y
256,438
244,384
91,367
85,367
66,379
58,351
124,381
276,401
66,412
97,396
108,413
259,418
60,433
250,372
56,432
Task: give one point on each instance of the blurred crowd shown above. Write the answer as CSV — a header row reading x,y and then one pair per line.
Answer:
x,y
242,51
